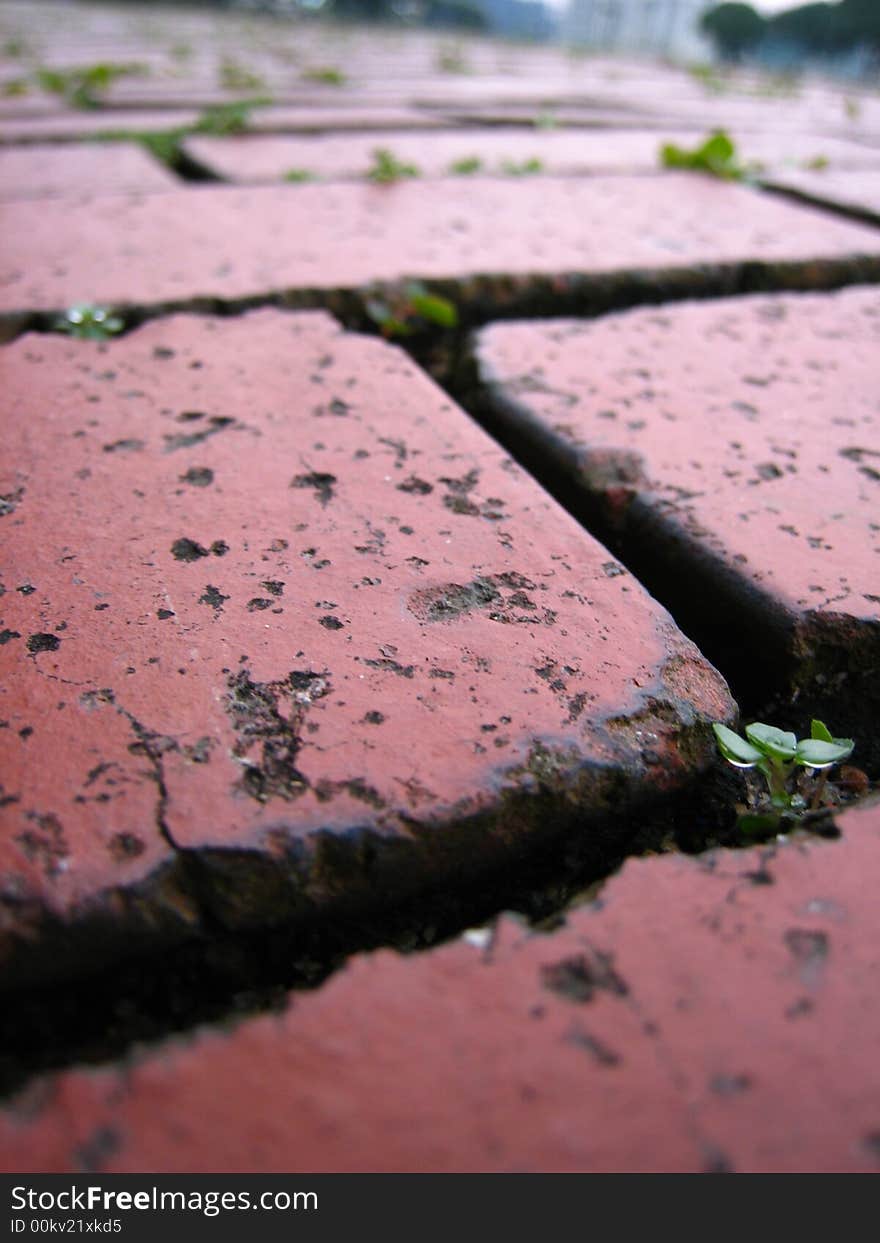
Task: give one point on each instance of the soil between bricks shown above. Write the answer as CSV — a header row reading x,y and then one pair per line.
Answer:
x,y
728,450
289,634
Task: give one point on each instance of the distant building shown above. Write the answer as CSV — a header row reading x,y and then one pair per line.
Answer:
x,y
668,27
519,19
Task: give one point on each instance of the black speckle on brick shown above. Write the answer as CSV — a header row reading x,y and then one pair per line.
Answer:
x,y
43,643
258,604
26,589
611,569
274,586
330,623
198,476
219,548
374,718
126,846
416,486
187,550
162,351
578,978
9,501
164,614
124,446
806,945
213,597
6,635
320,482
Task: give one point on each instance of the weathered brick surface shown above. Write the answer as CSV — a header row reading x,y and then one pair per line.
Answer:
x,y
38,172
233,243
703,1014
855,191
737,443
275,609
566,151
71,126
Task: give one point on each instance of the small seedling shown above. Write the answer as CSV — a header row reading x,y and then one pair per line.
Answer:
x,y
234,77
526,169
452,60
852,108
465,167
84,87
717,155
298,175
386,168
400,313
325,74
545,120
231,118
818,164
15,87
708,78
778,755
14,47
89,323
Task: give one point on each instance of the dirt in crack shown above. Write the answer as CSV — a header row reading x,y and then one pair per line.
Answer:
x,y
268,718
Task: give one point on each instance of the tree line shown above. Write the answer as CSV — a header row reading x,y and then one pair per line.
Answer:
x,y
816,29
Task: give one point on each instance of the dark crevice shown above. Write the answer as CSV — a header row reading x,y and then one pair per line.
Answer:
x,y
220,976
849,211
482,299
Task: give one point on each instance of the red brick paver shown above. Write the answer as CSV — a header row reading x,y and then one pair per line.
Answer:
x,y
716,1013
856,191
739,437
235,243
37,172
276,603
500,151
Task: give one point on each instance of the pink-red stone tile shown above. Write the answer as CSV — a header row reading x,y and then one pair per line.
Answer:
x,y
271,600
741,434
335,156
40,172
704,1014
851,190
69,126
232,243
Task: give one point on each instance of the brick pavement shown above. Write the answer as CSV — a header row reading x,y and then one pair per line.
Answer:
x,y
299,662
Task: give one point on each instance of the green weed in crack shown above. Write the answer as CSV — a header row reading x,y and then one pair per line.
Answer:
x,y
85,87
412,309
386,168
716,155
89,323
795,771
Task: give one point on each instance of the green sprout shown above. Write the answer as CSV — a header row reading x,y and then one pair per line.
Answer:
x,y
326,74
400,313
386,168
84,87
716,155
231,118
466,166
817,164
708,78
452,60
526,169
777,755
235,77
298,175
89,323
